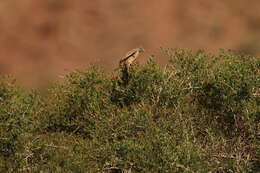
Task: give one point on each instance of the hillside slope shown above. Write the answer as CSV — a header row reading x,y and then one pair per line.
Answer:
x,y
40,40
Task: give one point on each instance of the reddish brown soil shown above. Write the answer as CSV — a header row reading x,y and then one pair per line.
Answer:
x,y
40,40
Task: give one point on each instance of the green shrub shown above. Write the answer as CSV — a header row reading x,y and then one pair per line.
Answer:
x,y
72,105
200,113
18,110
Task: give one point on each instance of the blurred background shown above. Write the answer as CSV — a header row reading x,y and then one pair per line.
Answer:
x,y
42,40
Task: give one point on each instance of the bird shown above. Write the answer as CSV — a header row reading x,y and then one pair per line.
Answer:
x,y
126,62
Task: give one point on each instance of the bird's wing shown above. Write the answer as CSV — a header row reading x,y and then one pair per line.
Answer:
x,y
129,54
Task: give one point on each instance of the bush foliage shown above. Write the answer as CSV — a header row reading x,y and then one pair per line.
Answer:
x,y
200,113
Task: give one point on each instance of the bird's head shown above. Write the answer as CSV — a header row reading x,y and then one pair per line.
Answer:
x,y
141,49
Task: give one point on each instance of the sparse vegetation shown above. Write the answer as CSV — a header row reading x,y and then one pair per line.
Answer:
x,y
200,113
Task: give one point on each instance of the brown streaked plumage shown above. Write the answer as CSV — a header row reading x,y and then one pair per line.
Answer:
x,y
129,58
